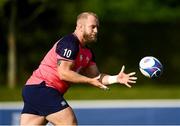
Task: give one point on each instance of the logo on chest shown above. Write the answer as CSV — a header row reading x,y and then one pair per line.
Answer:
x,y
80,58
84,59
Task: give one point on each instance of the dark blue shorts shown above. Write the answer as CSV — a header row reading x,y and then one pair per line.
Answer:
x,y
42,100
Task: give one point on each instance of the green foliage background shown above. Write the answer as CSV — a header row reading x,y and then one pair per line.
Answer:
x,y
129,30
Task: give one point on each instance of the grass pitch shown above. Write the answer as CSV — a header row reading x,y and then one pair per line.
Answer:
x,y
87,92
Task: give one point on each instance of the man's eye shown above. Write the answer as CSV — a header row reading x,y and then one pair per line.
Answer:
x,y
93,26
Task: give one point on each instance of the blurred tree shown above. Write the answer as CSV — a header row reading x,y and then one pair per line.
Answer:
x,y
2,44
11,71
129,29
9,9
142,11
12,46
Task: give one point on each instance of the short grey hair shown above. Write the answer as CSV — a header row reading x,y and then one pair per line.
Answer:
x,y
84,15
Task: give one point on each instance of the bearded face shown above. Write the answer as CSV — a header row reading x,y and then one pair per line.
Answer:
x,y
89,36
90,29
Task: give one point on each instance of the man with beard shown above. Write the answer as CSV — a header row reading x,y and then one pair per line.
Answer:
x,y
69,61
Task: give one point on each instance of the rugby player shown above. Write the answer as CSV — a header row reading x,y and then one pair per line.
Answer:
x,y
68,62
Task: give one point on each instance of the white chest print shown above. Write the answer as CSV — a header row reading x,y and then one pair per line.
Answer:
x,y
81,57
87,59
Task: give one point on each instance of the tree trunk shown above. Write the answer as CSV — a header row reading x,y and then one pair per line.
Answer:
x,y
12,48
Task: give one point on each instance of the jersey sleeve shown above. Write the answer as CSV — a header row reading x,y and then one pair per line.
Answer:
x,y
67,48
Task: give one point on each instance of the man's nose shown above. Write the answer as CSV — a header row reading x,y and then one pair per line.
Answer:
x,y
95,30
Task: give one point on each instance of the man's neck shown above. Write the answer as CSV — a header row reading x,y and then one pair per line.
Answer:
x,y
80,38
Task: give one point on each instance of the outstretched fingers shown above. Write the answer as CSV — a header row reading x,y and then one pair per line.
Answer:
x,y
131,81
122,69
104,87
127,79
128,85
131,77
132,73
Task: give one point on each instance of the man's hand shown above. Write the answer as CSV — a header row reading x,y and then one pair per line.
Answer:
x,y
126,79
97,83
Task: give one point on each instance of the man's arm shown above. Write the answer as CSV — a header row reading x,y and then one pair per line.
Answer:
x,y
67,74
106,79
91,71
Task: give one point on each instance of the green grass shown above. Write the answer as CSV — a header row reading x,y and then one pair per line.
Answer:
x,y
7,94
77,92
122,92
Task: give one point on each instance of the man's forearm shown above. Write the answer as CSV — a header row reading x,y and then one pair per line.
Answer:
x,y
74,77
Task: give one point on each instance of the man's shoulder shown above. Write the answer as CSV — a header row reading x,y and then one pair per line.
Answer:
x,y
68,41
68,47
70,38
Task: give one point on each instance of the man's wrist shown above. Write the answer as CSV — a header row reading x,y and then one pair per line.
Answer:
x,y
101,76
112,79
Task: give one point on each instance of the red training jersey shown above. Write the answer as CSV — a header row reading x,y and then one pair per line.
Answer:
x,y
67,48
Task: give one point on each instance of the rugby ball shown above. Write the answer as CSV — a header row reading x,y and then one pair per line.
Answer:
x,y
150,67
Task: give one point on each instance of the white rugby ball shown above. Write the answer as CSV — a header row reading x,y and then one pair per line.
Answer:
x,y
150,67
